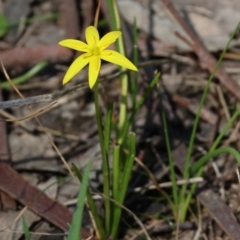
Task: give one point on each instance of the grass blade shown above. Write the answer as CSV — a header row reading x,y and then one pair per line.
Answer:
x,y
26,76
194,130
198,167
175,189
74,231
133,83
25,229
138,105
92,206
203,160
124,184
116,171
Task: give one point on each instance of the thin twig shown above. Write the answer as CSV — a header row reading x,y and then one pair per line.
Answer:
x,y
38,121
57,95
202,53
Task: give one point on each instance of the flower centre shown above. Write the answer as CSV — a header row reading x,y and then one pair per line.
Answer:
x,y
95,51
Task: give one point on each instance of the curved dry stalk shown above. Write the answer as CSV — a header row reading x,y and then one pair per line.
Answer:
x,y
55,96
38,121
34,114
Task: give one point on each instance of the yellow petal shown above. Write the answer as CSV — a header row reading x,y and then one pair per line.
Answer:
x,y
75,44
92,36
117,58
108,39
76,67
93,71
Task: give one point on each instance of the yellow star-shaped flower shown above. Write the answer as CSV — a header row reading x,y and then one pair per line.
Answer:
x,y
95,50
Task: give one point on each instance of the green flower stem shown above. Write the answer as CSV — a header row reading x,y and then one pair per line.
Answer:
x,y
23,78
107,128
107,135
105,165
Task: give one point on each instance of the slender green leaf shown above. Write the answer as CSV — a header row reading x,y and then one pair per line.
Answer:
x,y
116,171
204,159
119,44
196,121
26,76
175,189
92,206
224,130
133,83
138,105
198,167
74,232
25,229
124,185
4,25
